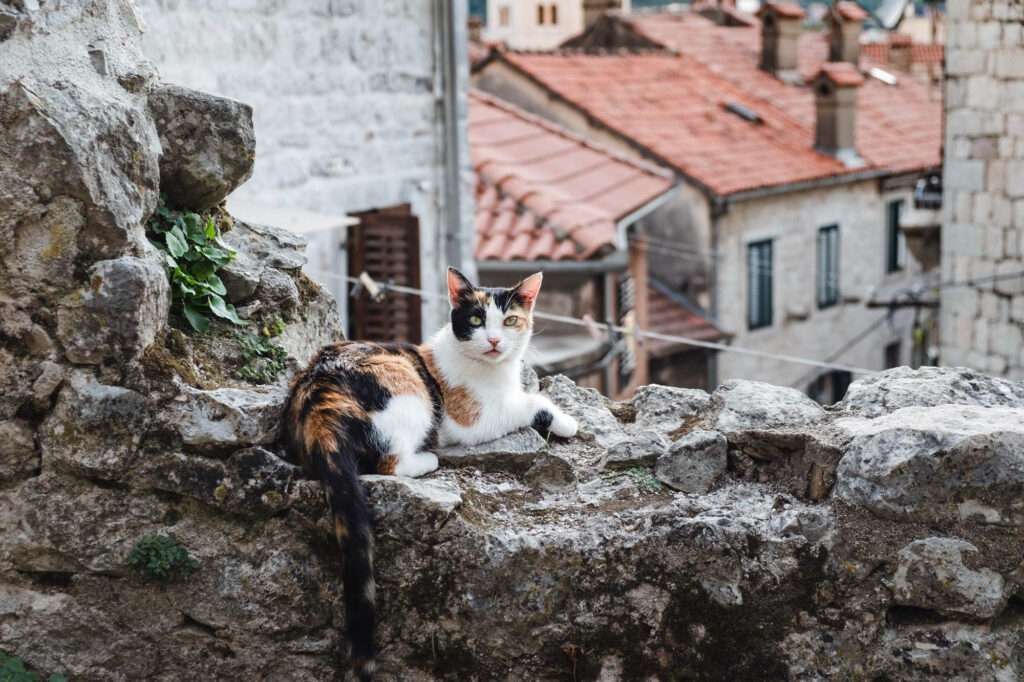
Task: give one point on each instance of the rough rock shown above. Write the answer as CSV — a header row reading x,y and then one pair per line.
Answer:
x,y
931,574
948,462
590,408
208,145
271,246
517,451
667,408
642,448
241,277
278,291
886,392
226,417
118,314
18,456
94,430
752,406
694,462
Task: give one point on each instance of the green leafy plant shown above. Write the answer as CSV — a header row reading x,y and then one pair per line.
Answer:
x,y
161,558
263,360
12,669
193,253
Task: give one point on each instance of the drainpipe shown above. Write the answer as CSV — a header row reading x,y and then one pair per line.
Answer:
x,y
450,27
718,208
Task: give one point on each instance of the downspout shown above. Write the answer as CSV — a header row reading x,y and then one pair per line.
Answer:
x,y
450,26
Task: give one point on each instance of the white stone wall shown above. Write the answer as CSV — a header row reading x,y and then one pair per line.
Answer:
x,y
346,97
799,327
983,208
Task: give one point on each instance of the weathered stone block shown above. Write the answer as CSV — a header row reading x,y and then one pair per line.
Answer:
x,y
641,448
18,456
208,145
931,574
94,430
694,462
118,314
226,416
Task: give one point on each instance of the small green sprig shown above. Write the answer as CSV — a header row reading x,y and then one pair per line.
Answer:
x,y
161,559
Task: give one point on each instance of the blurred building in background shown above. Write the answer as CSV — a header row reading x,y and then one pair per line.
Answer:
x,y
360,112
982,311
797,155
543,24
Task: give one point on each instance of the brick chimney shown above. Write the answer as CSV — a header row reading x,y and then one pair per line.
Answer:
x,y
846,19
835,98
900,46
781,23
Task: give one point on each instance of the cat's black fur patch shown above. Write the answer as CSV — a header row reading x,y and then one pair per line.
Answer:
x,y
542,422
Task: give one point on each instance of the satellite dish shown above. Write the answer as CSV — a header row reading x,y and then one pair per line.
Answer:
x,y
890,13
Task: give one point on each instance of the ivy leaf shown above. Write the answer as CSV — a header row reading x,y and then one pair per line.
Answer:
x,y
224,310
211,229
196,318
215,284
176,243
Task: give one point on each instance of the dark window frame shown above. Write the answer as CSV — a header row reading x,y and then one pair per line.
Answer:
x,y
827,276
553,14
888,353
895,241
760,284
541,14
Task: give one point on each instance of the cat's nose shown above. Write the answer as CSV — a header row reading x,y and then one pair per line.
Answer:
x,y
494,341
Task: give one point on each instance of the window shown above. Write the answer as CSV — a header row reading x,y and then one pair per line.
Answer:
x,y
540,15
830,387
893,352
896,244
828,266
553,16
503,15
759,284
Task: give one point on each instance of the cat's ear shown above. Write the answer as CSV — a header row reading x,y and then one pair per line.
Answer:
x,y
528,289
457,285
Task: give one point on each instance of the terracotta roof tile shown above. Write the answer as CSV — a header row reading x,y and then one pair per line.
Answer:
x,y
920,53
673,104
789,10
543,193
669,312
842,74
850,11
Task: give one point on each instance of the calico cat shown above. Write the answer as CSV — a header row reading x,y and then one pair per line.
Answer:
x,y
363,408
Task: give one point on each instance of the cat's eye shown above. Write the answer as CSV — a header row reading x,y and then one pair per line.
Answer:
x,y
511,321
476,320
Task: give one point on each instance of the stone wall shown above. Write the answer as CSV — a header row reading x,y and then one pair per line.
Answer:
x,y
345,104
982,326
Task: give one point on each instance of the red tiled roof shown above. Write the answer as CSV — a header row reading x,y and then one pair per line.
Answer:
x,y
669,313
542,193
842,74
673,106
850,11
920,53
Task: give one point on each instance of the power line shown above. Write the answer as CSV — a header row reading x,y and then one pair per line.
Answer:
x,y
642,333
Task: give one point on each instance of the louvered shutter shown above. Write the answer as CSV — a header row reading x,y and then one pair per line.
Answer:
x,y
386,244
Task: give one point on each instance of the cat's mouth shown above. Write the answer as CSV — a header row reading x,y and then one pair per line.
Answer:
x,y
492,353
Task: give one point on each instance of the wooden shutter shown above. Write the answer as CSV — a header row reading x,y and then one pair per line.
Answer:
x,y
386,244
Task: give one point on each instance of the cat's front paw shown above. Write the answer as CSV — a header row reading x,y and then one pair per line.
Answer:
x,y
563,426
414,466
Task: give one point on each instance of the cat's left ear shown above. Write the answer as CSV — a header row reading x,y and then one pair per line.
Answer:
x,y
528,289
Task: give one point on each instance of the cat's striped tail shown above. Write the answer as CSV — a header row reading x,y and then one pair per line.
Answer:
x,y
352,527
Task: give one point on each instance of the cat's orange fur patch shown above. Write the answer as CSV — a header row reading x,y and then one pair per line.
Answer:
x,y
459,403
396,373
386,465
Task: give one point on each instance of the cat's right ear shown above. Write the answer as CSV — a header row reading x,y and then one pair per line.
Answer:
x,y
458,285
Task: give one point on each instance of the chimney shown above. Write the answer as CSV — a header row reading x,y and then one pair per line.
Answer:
x,y
835,98
900,45
781,23
847,20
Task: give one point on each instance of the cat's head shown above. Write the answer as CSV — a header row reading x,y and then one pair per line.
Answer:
x,y
491,324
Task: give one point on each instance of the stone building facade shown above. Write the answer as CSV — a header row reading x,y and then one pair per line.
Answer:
x,y
353,104
983,221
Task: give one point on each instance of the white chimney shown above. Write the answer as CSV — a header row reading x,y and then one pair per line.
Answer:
x,y
835,98
846,20
781,23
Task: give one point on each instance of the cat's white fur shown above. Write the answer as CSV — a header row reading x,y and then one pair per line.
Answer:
x,y
494,381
